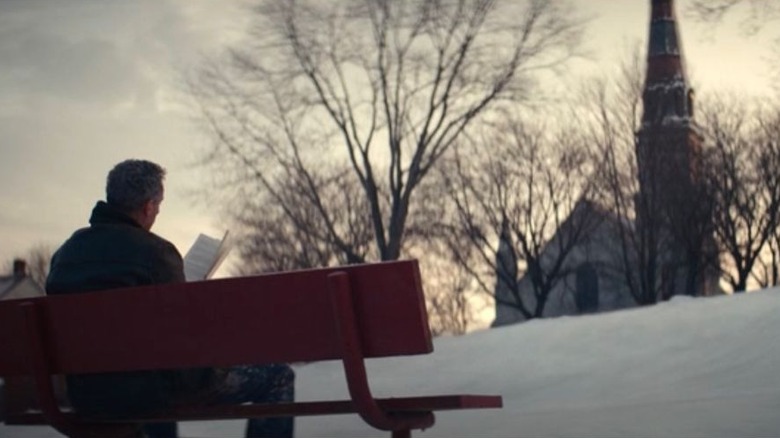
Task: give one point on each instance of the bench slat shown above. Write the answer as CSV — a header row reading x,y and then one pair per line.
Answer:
x,y
391,405
281,317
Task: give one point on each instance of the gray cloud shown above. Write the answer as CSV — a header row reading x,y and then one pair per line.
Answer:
x,y
79,87
95,53
43,66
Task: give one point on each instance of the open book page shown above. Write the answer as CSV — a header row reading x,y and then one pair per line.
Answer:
x,y
204,257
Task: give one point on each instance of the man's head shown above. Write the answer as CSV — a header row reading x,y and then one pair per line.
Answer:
x,y
135,187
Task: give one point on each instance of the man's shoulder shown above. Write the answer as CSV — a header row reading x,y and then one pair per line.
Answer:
x,y
117,243
163,245
107,256
150,245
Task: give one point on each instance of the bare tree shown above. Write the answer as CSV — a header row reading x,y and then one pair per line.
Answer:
x,y
755,13
451,303
767,273
453,306
521,198
756,17
283,230
734,209
648,222
769,260
744,178
612,110
383,89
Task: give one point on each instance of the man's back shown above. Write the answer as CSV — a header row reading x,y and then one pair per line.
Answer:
x,y
115,252
112,253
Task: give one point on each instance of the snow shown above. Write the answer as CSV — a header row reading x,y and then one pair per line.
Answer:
x,y
704,367
668,85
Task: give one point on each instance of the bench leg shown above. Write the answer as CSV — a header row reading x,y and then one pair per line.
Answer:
x,y
20,395
405,433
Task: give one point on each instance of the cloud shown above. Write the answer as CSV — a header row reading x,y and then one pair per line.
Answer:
x,y
81,87
43,66
99,55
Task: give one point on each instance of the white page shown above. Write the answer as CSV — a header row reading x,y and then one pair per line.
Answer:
x,y
204,257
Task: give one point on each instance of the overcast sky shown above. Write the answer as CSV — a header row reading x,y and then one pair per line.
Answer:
x,y
85,84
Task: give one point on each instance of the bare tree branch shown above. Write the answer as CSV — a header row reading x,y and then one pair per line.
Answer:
x,y
746,185
526,197
383,89
756,14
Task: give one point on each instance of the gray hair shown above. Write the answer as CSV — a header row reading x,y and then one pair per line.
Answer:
x,y
132,183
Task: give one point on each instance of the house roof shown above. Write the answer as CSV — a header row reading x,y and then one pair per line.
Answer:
x,y
12,287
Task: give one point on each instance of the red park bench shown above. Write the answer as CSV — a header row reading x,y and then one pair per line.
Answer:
x,y
347,313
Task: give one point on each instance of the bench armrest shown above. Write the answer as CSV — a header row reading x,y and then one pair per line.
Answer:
x,y
354,364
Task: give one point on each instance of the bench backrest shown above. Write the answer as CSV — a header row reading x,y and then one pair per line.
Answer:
x,y
281,317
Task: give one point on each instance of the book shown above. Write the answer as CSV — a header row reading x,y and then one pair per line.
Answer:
x,y
204,257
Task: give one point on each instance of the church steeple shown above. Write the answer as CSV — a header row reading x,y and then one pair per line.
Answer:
x,y
671,204
667,98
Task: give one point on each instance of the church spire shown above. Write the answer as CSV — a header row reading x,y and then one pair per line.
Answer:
x,y
671,203
667,98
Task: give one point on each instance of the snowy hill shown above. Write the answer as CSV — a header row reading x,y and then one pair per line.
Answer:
x,y
686,368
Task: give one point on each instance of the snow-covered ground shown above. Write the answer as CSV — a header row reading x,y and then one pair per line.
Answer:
x,y
687,368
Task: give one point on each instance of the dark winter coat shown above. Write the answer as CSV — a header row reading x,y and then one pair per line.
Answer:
x,y
115,252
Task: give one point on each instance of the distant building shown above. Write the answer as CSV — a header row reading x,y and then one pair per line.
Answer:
x,y
668,160
19,284
592,282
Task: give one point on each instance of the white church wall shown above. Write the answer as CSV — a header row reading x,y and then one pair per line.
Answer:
x,y
600,251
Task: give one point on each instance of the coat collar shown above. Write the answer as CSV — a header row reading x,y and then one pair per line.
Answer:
x,y
104,214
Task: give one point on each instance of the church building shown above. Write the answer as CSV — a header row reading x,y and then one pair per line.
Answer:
x,y
677,251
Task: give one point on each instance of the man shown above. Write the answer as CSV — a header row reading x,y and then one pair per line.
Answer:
x,y
118,250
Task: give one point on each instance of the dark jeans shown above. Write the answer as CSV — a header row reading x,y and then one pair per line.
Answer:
x,y
237,385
